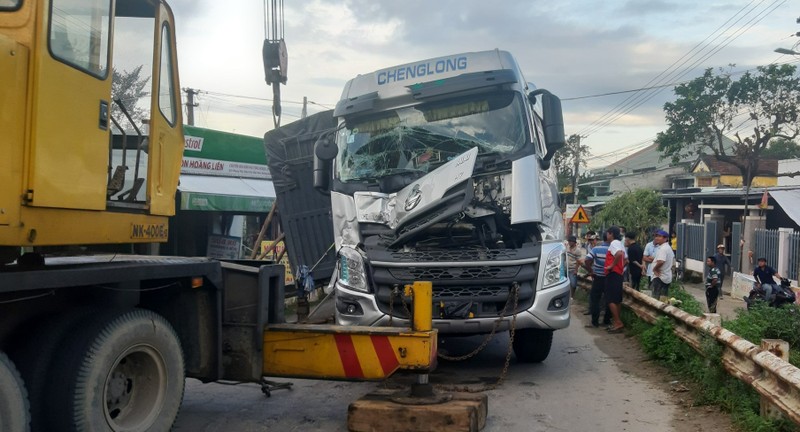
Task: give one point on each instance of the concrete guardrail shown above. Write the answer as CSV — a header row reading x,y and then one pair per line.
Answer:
x,y
776,380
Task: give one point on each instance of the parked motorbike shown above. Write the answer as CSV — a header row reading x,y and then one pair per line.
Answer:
x,y
678,271
780,296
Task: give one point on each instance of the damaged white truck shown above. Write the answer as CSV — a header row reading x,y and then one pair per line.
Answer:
x,y
439,170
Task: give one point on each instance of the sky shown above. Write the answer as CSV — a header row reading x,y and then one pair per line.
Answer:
x,y
575,49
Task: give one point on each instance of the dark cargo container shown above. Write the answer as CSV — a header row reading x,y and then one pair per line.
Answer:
x,y
305,213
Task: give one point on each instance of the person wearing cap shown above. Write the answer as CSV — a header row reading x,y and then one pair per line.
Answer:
x,y
575,256
590,238
614,267
723,264
662,265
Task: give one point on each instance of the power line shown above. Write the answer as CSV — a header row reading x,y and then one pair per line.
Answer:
x,y
655,79
637,100
727,41
672,84
264,99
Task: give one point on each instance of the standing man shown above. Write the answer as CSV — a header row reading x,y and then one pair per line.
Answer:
x,y
613,268
647,260
765,278
712,284
723,265
635,255
662,265
575,256
595,263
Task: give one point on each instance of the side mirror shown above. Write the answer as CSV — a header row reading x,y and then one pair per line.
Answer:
x,y
325,151
553,120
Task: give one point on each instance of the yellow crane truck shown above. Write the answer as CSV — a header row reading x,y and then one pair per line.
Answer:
x,y
103,342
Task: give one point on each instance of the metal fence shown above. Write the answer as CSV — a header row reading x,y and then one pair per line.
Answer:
x,y
794,255
694,236
766,246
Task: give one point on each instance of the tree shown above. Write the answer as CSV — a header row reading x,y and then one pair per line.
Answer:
x,y
782,149
639,210
568,161
712,106
129,87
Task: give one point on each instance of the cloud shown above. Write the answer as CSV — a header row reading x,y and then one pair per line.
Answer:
x,y
573,48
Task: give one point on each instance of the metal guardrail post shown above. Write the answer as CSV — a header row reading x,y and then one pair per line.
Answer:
x,y
775,379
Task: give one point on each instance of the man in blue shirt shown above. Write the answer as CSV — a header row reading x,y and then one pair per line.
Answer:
x,y
595,263
765,277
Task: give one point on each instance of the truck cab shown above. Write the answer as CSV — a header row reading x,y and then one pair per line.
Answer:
x,y
439,170
77,164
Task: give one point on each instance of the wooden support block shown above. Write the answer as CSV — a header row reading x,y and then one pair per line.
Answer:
x,y
380,411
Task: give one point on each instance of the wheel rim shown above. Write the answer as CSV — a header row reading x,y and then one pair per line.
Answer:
x,y
135,389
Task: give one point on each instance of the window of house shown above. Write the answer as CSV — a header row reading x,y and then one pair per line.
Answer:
x,y
704,181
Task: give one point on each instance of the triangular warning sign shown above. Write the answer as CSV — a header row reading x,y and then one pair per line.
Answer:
x,y
580,216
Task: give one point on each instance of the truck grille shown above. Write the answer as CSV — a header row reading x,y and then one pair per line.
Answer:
x,y
456,255
453,273
495,292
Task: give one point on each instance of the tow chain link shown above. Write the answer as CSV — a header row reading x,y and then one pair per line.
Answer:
x,y
514,296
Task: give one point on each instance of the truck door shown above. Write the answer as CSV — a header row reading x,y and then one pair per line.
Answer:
x,y
71,91
166,121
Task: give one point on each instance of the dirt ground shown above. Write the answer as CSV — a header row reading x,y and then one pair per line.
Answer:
x,y
632,360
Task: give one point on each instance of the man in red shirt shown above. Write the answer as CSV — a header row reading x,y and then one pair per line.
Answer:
x,y
614,266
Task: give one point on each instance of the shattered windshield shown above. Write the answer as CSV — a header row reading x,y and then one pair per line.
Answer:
x,y
418,139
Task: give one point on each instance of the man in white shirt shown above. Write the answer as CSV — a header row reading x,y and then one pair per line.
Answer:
x,y
662,265
614,267
575,256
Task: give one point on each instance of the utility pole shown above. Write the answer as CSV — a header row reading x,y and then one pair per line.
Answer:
x,y
577,150
304,113
190,104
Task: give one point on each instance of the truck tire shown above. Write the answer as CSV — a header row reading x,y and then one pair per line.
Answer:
x,y
35,355
532,345
122,371
14,411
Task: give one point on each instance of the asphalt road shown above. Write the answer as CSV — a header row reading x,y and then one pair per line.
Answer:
x,y
578,388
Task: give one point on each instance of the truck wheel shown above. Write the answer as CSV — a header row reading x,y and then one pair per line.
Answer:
x,y
14,411
36,353
120,372
532,345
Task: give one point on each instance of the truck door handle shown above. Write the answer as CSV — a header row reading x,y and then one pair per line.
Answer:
x,y
103,123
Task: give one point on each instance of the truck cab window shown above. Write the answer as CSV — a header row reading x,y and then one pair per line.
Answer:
x,y
166,93
421,138
79,34
10,4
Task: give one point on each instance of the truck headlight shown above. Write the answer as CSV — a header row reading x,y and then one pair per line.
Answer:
x,y
555,270
351,269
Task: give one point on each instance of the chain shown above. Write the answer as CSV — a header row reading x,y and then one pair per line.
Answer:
x,y
488,338
504,371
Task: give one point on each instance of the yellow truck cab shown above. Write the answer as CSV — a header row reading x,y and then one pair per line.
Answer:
x,y
66,178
